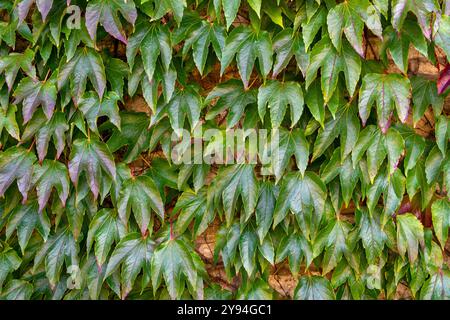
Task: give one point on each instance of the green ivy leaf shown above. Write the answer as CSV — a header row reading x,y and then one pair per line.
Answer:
x,y
49,175
93,158
8,121
287,45
421,10
300,194
192,207
409,235
59,248
133,253
10,65
9,262
44,130
232,95
233,182
140,195
331,63
440,213
247,45
277,96
314,288
174,261
16,163
93,108
389,91
152,41
25,219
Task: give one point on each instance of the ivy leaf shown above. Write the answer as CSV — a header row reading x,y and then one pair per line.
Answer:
x,y
425,94
349,18
256,6
201,36
398,44
440,213
277,96
230,8
372,234
331,63
248,242
174,261
10,65
264,210
105,12
349,132
49,175
8,121
58,249
133,253
393,196
333,239
295,247
311,26
93,108
284,145
116,72
442,35
436,287
17,290
433,164
326,136
415,147
422,10
389,91
192,207
25,219
409,235
344,18
85,64
44,130
93,158
34,93
162,84
152,40
140,195
285,46
232,95
314,288
9,262
442,133
16,163
300,194
444,80
247,45
44,7
185,104
348,177
233,182
395,146
105,228
259,290
134,133
176,6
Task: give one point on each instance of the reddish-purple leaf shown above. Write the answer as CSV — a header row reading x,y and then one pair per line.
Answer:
x,y
444,79
44,7
106,13
23,8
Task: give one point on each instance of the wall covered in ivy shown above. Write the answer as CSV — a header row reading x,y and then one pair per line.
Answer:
x,y
319,130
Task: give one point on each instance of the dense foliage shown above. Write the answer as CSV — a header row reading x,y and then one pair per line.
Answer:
x,y
94,207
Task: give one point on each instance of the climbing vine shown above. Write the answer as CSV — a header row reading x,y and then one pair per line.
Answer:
x,y
345,190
